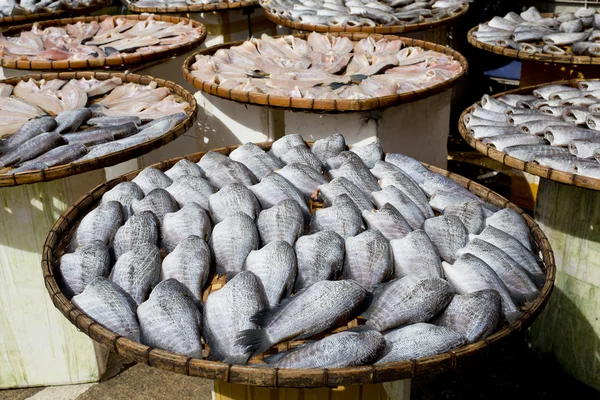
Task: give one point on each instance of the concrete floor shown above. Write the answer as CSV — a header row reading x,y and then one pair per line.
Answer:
x,y
515,373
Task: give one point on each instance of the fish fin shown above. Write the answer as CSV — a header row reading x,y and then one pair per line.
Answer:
x,y
263,317
4,148
538,279
254,340
370,298
519,299
237,359
274,359
512,316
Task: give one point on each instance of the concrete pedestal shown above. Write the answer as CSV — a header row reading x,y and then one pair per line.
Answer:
x,y
418,129
38,346
568,330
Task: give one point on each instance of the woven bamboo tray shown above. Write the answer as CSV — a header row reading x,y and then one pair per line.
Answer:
x,y
74,168
529,167
221,6
123,59
472,354
21,19
381,29
540,57
326,106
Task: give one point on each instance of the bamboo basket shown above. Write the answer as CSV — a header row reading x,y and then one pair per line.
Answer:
x,y
20,19
539,57
381,29
529,167
65,170
221,6
124,59
331,105
252,375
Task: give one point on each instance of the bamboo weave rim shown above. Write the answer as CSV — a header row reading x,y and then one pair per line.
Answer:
x,y
470,355
539,57
327,105
534,169
20,19
221,6
74,168
108,62
381,29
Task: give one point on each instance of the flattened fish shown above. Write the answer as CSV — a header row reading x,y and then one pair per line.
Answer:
x,y
137,271
190,220
111,306
170,320
227,312
230,199
475,315
281,222
79,269
419,340
275,266
151,178
140,228
307,313
448,235
320,257
343,217
416,255
231,242
344,349
407,300
189,263
368,259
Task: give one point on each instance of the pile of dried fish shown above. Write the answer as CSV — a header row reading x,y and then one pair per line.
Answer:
x,y
9,8
557,126
176,3
48,123
325,67
569,33
89,40
371,13
425,284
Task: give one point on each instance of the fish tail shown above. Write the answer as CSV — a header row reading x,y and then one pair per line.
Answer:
x,y
538,279
254,340
512,316
237,359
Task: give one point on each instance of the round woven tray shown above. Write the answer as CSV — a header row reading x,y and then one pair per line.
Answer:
x,y
326,106
74,168
540,57
369,29
113,62
529,167
471,354
192,7
21,19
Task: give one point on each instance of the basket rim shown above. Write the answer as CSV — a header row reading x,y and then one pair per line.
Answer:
x,y
220,6
18,19
381,29
539,57
566,178
75,168
106,62
274,377
327,106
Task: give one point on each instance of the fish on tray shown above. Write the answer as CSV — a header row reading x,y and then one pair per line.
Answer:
x,y
89,40
326,67
568,33
48,123
347,287
563,136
